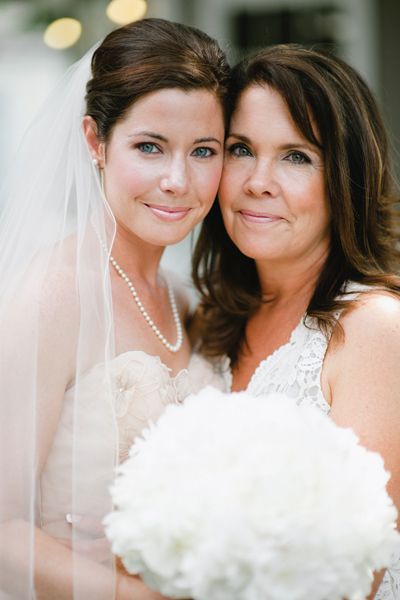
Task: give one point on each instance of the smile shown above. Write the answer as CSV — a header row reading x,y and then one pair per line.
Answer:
x,y
257,217
169,213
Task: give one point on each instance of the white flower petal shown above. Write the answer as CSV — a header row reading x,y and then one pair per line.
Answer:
x,y
229,496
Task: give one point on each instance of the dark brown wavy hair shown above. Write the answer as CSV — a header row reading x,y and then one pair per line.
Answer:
x,y
324,93
147,56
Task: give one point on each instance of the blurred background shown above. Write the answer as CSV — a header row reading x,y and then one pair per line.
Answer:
x,y
40,38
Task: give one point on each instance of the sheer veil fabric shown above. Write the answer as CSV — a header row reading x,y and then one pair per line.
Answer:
x,y
55,325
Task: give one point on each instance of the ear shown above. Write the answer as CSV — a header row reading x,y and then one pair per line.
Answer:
x,y
96,147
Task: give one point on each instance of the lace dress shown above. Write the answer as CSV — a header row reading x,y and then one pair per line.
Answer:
x,y
295,369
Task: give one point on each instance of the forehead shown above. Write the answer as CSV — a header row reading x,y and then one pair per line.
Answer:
x,y
261,105
263,110
176,105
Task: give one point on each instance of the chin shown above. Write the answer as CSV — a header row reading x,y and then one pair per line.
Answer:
x,y
168,239
260,254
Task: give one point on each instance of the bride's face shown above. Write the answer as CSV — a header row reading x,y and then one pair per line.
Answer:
x,y
163,162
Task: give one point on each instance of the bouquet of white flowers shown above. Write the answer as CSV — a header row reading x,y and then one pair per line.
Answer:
x,y
231,497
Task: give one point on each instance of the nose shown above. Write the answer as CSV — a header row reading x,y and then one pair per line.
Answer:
x,y
175,179
262,180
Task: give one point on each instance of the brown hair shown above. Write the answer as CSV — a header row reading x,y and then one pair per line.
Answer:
x,y
146,56
322,90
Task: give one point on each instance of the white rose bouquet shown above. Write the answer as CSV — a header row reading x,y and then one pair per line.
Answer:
x,y
231,497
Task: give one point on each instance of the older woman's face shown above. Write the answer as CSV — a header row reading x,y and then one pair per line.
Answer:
x,y
272,193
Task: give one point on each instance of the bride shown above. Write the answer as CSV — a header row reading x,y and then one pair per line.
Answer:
x,y
93,337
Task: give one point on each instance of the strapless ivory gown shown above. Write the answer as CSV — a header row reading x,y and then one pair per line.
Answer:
x,y
143,386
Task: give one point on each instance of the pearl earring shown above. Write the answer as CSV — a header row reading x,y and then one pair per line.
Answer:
x,y
95,162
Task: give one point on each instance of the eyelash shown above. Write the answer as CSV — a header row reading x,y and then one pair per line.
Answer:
x,y
210,152
304,159
142,145
235,150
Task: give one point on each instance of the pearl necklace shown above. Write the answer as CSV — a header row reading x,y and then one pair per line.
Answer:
x,y
179,333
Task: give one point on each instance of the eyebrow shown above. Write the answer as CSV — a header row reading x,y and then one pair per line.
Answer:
x,y
288,146
238,136
207,139
151,134
301,145
157,136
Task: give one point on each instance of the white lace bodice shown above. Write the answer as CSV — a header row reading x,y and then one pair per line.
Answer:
x,y
295,369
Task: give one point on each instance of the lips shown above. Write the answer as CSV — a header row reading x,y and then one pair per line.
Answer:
x,y
169,213
259,217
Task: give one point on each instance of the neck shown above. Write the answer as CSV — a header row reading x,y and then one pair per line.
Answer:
x,y
138,258
291,281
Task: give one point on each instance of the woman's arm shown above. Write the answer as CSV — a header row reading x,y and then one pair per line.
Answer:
x,y
26,551
56,568
362,378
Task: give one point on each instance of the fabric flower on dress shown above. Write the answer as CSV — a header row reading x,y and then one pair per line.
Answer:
x,y
143,387
231,497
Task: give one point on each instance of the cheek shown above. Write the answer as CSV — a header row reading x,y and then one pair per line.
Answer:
x,y
232,180
208,184
130,180
307,195
225,198
228,220
321,206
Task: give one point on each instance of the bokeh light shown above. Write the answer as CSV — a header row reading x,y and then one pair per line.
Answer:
x,y
62,33
122,12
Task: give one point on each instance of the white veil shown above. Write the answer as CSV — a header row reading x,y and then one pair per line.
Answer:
x,y
55,320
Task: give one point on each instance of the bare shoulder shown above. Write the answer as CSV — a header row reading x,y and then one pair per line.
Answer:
x,y
45,295
59,305
44,311
375,317
368,356
370,349
363,378
57,295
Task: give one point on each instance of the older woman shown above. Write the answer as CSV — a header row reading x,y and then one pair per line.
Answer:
x,y
296,265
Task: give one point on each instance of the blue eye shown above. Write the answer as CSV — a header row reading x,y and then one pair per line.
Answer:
x,y
203,152
239,150
147,148
297,158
